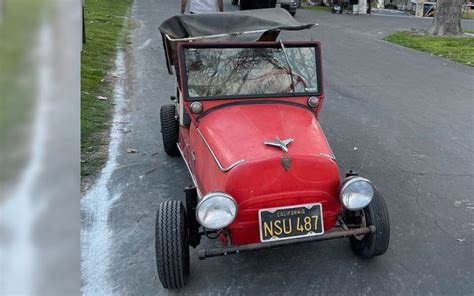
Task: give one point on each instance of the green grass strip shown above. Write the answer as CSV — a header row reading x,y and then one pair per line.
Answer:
x,y
19,27
105,21
317,7
455,48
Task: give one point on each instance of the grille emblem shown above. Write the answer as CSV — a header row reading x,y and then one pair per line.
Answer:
x,y
286,163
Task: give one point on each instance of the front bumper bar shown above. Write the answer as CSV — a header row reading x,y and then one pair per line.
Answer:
x,y
203,254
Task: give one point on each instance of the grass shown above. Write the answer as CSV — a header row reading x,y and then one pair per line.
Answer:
x,y
317,7
106,31
456,48
468,16
19,26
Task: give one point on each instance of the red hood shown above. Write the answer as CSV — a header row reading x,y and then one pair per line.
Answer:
x,y
238,132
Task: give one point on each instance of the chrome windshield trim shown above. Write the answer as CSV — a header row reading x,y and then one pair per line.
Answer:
x,y
223,169
190,172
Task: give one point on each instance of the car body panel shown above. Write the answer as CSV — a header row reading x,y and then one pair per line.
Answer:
x,y
265,184
261,181
258,123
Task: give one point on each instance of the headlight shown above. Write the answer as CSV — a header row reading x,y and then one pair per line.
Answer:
x,y
356,193
216,210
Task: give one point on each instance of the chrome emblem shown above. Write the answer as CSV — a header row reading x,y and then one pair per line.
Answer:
x,y
286,163
280,143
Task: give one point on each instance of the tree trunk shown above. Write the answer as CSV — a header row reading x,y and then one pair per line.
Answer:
x,y
447,20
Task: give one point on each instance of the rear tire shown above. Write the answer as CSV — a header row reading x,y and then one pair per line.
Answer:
x,y
373,244
169,129
171,244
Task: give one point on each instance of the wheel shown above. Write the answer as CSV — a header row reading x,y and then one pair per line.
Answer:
x,y
169,129
293,13
171,244
235,2
376,214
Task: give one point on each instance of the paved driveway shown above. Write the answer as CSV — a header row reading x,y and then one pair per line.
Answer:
x,y
400,117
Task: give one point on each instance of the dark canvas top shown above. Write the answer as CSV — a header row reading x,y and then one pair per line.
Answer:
x,y
234,25
199,25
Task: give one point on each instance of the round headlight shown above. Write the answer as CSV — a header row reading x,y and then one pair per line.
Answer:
x,y
216,210
356,193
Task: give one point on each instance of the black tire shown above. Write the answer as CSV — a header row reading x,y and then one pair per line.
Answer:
x,y
371,245
171,244
293,13
169,129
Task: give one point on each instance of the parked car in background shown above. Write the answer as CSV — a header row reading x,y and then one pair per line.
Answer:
x,y
289,5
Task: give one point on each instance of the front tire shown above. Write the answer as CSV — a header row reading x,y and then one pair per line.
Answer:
x,y
169,129
373,244
171,244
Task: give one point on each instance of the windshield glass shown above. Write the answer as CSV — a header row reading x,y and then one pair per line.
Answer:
x,y
222,72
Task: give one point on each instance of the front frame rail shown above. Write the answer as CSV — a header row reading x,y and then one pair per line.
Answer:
x,y
203,254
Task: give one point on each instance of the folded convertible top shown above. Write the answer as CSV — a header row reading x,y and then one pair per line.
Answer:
x,y
230,23
246,25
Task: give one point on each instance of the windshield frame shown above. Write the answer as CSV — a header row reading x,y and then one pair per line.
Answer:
x,y
288,44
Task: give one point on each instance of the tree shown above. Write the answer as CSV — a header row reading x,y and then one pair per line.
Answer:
x,y
447,20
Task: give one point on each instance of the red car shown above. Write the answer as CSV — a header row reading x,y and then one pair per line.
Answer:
x,y
245,121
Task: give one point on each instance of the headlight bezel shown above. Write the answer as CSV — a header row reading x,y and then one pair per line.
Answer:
x,y
350,181
207,198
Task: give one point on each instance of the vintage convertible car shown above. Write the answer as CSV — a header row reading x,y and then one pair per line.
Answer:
x,y
245,121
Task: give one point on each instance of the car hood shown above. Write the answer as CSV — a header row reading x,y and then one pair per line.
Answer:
x,y
238,132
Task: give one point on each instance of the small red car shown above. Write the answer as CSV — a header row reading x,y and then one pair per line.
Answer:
x,y
245,121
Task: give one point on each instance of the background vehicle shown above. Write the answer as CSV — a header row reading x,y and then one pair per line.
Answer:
x,y
245,121
289,5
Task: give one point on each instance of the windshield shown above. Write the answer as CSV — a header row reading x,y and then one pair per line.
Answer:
x,y
228,72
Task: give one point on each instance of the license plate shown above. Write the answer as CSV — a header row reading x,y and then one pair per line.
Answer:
x,y
290,222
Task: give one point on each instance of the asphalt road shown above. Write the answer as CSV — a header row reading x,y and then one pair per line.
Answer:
x,y
400,117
